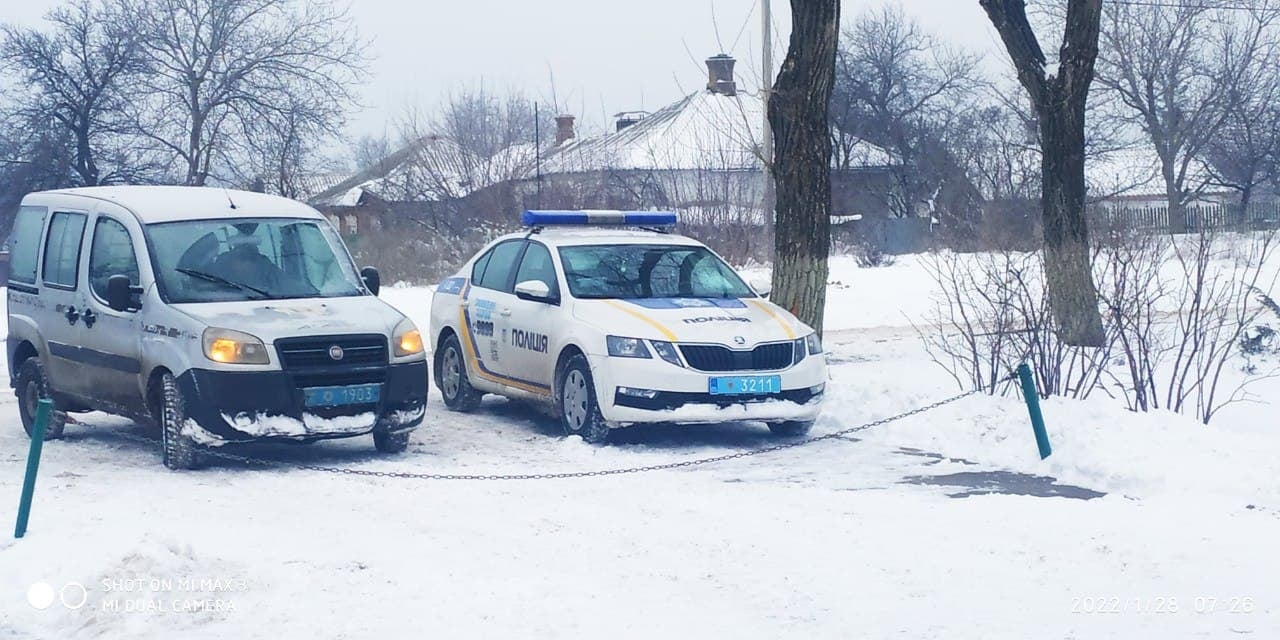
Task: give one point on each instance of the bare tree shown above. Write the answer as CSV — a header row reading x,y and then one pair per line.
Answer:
x,y
1243,155
798,115
1060,102
903,89
1178,68
78,73
218,68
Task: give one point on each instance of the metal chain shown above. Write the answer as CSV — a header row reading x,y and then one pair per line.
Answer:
x,y
581,474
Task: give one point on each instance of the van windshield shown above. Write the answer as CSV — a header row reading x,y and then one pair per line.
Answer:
x,y
631,271
250,259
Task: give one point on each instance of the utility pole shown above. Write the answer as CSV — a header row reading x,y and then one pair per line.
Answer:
x,y
766,86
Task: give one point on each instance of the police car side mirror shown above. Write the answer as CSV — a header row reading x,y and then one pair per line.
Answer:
x,y
762,286
372,280
121,294
535,290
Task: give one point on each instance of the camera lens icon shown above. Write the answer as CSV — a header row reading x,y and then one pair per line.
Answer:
x,y
42,595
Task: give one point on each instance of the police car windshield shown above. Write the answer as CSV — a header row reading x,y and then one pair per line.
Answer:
x,y
250,259
630,271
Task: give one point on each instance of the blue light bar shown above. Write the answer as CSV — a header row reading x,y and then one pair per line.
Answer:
x,y
599,217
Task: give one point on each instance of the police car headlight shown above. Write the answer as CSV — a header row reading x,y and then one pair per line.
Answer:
x,y
815,344
627,347
667,351
407,339
229,346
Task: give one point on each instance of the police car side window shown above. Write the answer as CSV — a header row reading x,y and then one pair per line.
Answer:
x,y
502,259
537,265
62,249
111,254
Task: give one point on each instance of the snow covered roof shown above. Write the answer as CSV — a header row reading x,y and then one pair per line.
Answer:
x,y
171,204
704,130
433,168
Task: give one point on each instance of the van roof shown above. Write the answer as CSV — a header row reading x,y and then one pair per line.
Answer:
x,y
173,204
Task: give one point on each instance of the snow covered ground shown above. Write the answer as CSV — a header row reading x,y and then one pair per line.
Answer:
x,y
932,527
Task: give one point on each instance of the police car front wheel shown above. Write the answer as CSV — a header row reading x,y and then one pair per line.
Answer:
x,y
579,411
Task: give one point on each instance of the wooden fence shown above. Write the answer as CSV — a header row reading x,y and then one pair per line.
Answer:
x,y
1199,217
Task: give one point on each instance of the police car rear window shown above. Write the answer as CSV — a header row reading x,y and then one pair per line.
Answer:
x,y
632,271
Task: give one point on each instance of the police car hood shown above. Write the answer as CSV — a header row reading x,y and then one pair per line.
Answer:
x,y
274,319
738,323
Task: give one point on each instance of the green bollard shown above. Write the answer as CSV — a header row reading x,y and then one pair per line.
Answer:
x,y
33,465
1032,397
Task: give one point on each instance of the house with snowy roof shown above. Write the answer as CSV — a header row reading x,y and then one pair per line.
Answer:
x,y
700,155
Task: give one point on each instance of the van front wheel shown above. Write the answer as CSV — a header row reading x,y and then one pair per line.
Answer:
x,y
31,386
179,450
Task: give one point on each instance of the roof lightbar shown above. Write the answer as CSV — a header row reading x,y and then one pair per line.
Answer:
x,y
599,217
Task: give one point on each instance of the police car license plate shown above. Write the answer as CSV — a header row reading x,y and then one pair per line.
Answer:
x,y
341,396
744,385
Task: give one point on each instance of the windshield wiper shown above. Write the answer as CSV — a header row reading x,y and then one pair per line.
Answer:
x,y
221,280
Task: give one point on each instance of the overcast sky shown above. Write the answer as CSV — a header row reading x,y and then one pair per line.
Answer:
x,y
605,56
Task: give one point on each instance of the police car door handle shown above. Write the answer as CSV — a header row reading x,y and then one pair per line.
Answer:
x,y
505,312
72,315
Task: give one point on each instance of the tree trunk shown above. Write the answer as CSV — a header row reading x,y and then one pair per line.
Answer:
x,y
1060,108
798,115
1177,208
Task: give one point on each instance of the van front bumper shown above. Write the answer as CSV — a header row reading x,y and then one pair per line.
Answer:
x,y
241,406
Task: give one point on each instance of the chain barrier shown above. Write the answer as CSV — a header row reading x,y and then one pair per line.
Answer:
x,y
406,475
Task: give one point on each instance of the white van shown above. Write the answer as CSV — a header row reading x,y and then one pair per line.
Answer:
x,y
215,316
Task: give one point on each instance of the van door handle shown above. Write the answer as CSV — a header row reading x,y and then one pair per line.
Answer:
x,y
505,312
89,318
72,315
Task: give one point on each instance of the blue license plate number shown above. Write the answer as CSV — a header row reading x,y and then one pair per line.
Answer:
x,y
342,396
744,385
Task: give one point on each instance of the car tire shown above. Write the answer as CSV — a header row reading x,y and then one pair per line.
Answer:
x,y
178,449
452,379
31,386
791,428
391,442
576,402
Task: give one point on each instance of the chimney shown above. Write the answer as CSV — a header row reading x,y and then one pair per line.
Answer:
x,y
564,129
720,75
627,118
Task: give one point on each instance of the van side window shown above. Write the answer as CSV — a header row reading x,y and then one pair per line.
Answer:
x,y
111,255
62,249
501,261
24,244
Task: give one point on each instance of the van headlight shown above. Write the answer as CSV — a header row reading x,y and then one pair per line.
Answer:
x,y
229,346
407,339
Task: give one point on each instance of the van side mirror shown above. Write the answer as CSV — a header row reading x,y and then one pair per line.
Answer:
x,y
122,295
762,286
372,280
535,290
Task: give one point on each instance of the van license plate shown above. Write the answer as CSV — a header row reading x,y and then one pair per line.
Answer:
x,y
745,385
341,396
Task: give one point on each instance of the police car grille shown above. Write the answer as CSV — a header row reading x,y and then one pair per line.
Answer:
x,y
313,351
766,357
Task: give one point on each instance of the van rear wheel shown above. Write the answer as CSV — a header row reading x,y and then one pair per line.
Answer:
x,y
179,450
31,386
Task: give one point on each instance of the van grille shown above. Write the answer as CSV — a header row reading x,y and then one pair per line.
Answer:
x,y
313,351
766,357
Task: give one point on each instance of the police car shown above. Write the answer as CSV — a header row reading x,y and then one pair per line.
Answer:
x,y
615,322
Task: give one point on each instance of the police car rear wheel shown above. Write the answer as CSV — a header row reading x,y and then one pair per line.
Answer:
x,y
31,386
579,412
458,393
791,429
